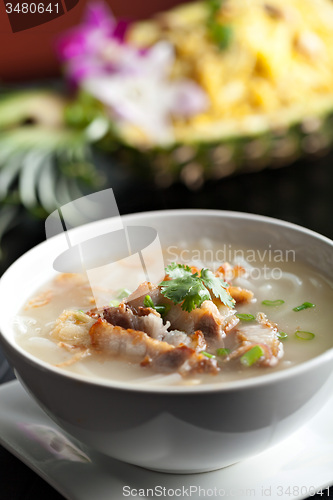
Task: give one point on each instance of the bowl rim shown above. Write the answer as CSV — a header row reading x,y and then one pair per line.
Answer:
x,y
252,382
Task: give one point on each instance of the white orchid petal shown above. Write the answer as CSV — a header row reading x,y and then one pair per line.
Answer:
x,y
136,101
140,93
160,58
188,98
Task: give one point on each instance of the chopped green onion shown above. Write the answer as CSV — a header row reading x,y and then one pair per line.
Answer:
x,y
82,316
282,335
245,317
148,302
114,303
303,335
278,302
122,293
305,305
252,356
161,309
222,351
207,354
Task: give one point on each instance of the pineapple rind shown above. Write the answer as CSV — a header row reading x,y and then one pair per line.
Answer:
x,y
277,70
270,91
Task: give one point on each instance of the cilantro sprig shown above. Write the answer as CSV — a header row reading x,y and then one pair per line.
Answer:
x,y
192,289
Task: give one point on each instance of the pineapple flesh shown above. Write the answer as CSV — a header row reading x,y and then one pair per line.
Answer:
x,y
270,90
277,68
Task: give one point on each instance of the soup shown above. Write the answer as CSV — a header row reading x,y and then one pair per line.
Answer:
x,y
255,314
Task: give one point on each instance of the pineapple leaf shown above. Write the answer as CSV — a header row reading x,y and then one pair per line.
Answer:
x,y
43,107
45,162
34,159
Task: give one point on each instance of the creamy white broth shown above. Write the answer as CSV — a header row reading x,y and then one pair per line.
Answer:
x,y
295,285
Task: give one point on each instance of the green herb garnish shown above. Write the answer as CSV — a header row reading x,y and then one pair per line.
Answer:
x,y
282,335
305,305
207,354
191,290
114,303
148,302
161,309
214,6
178,270
81,316
274,303
220,33
222,351
245,317
122,293
252,356
303,335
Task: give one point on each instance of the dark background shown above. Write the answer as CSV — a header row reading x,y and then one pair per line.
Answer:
x,y
300,193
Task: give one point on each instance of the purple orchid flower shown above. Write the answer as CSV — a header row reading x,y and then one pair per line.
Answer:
x,y
82,49
146,98
133,84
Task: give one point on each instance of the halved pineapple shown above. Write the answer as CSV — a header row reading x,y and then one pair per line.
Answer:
x,y
270,90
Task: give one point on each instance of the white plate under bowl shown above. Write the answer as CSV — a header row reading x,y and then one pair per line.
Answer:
x,y
294,469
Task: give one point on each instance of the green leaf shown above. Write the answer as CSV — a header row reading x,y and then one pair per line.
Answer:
x,y
178,270
217,286
191,289
177,289
195,297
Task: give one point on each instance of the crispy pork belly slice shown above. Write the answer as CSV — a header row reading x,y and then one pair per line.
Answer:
x,y
147,320
72,327
125,317
198,341
138,347
263,333
135,300
228,316
211,321
176,338
207,318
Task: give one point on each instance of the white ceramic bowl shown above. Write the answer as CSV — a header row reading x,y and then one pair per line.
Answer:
x,y
175,429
